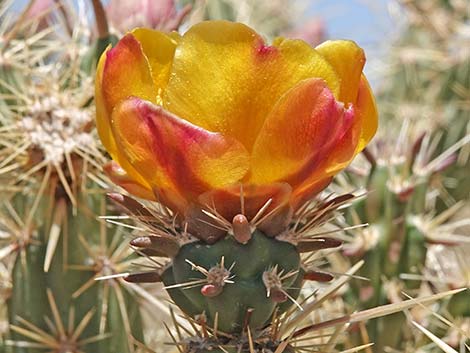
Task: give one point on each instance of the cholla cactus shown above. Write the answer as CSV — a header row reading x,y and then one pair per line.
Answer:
x,y
231,209
222,144
51,244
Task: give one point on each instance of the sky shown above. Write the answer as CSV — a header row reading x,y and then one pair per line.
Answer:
x,y
373,24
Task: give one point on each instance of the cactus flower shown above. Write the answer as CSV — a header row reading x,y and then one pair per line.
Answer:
x,y
216,114
161,14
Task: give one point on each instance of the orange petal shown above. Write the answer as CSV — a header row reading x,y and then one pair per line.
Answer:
x,y
226,79
103,124
102,116
335,158
159,49
173,154
308,191
305,125
127,73
367,111
338,156
348,60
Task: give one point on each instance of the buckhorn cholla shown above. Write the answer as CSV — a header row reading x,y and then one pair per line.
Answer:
x,y
233,138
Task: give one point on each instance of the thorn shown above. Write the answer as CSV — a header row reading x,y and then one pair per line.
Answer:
x,y
241,229
445,163
201,319
54,234
246,321
117,275
416,147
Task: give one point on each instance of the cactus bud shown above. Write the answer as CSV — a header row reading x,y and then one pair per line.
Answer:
x,y
159,245
241,229
317,244
143,277
318,276
210,290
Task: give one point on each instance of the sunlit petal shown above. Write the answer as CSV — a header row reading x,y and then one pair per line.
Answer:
x,y
174,154
226,79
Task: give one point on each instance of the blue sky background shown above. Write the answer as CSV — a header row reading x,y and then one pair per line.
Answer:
x,y
373,24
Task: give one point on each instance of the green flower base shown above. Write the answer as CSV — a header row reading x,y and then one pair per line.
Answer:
x,y
247,264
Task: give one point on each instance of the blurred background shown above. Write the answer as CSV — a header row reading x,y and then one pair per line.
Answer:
x,y
415,174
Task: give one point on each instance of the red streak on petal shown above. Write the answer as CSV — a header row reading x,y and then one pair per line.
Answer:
x,y
264,51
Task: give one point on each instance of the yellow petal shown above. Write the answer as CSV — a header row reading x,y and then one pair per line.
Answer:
x,y
159,48
348,61
226,79
367,111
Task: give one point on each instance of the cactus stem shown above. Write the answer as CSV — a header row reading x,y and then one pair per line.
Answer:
x,y
60,339
241,229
